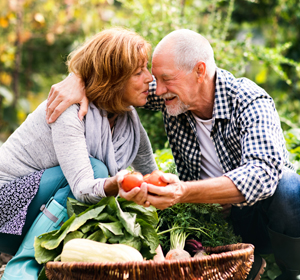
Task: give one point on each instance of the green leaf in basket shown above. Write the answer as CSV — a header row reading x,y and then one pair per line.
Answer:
x,y
130,240
72,235
58,258
91,225
52,241
149,238
115,228
111,206
90,213
42,275
41,254
148,214
112,220
75,224
128,220
97,236
75,207
105,217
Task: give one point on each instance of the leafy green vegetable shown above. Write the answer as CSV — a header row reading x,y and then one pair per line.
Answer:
x,y
75,207
203,222
112,220
112,229
149,215
42,275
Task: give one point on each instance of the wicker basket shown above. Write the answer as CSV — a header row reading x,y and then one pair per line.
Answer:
x,y
223,262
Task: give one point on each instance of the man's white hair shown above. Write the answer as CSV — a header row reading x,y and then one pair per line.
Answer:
x,y
188,48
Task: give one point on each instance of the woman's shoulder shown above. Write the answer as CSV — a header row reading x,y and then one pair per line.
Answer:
x,y
70,114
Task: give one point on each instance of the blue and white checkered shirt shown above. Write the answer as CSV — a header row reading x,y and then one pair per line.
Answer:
x,y
246,134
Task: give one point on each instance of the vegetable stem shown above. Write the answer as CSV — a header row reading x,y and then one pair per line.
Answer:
x,y
188,228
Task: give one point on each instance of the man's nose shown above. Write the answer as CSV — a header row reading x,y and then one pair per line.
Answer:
x,y
160,89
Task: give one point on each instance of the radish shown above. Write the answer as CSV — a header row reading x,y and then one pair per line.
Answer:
x,y
195,248
177,252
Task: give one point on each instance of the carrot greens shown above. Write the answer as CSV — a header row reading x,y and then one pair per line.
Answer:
x,y
203,222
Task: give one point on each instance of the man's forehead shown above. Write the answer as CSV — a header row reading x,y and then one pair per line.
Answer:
x,y
163,64
166,73
162,71
163,56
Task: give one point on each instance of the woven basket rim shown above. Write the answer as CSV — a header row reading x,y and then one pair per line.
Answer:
x,y
232,261
233,251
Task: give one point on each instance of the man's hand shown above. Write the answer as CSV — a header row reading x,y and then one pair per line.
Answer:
x,y
62,95
137,194
164,197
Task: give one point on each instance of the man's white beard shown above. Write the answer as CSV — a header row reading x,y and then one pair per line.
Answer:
x,y
178,107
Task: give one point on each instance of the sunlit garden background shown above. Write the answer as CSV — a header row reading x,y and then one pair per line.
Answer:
x,y
258,39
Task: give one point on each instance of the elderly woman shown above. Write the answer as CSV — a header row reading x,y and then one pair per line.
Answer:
x,y
42,164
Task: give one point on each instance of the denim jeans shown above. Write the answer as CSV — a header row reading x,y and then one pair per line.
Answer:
x,y
281,213
53,184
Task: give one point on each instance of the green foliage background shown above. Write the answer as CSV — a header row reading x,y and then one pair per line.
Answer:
x,y
258,39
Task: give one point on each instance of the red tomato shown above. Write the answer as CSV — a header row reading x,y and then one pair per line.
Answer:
x,y
154,178
132,180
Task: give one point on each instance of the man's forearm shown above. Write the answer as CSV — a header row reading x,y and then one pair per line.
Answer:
x,y
215,190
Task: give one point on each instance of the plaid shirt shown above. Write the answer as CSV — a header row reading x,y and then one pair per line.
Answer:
x,y
246,134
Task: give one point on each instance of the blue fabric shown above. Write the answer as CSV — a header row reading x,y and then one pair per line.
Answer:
x,y
281,213
52,184
23,265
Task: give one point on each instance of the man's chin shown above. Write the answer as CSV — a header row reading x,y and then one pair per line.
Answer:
x,y
176,111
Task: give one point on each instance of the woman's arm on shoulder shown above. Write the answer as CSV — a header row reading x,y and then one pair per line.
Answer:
x,y
65,93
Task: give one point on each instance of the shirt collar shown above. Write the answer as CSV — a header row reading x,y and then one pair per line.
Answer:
x,y
222,94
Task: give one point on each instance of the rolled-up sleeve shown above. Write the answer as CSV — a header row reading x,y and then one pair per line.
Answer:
x,y
262,152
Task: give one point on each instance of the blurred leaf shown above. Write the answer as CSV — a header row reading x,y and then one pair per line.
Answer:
x,y
4,22
261,77
8,96
165,161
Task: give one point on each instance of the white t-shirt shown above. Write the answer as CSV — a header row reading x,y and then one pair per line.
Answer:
x,y
210,165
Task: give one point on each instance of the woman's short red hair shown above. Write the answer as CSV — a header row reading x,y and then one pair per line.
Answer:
x,y
106,62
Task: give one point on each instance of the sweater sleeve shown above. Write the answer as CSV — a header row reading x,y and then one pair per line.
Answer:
x,y
144,162
68,135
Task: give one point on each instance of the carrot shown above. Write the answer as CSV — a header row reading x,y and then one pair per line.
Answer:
x,y
177,252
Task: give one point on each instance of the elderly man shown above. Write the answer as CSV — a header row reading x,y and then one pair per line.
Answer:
x,y
228,147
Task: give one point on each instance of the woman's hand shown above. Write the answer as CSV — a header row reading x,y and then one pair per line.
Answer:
x,y
137,194
62,95
111,187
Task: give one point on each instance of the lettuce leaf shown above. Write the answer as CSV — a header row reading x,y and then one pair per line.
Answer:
x,y
112,220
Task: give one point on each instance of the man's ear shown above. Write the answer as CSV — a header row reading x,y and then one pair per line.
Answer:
x,y
200,69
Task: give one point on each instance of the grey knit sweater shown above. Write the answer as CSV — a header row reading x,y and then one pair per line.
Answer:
x,y
36,145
